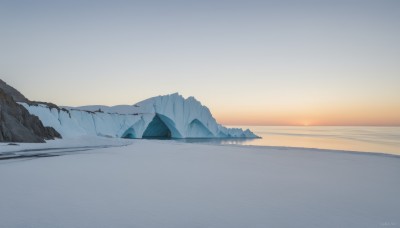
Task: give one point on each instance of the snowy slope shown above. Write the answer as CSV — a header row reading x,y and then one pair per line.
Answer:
x,y
170,116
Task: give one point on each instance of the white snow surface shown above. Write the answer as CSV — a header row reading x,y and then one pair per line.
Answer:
x,y
153,183
184,118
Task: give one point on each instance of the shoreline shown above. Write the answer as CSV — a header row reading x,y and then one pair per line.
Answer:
x,y
321,150
37,151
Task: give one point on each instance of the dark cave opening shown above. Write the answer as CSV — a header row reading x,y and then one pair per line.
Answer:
x,y
157,129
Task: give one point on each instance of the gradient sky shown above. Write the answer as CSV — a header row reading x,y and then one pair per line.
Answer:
x,y
251,62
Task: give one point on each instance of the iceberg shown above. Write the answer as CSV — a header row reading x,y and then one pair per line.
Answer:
x,y
169,116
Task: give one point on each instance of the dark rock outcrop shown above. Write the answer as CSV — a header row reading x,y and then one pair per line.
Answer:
x,y
16,123
10,91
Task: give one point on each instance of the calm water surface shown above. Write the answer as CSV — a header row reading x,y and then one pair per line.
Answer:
x,y
367,139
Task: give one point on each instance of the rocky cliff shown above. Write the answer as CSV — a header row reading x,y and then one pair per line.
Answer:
x,y
16,124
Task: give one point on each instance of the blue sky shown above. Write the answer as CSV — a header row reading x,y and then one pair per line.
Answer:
x,y
251,62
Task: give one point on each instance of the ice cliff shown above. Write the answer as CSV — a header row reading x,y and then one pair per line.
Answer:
x,y
170,116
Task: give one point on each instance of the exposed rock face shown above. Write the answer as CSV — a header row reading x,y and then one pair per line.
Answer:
x,y
16,124
10,91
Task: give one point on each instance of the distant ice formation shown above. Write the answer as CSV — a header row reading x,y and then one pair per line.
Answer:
x,y
170,116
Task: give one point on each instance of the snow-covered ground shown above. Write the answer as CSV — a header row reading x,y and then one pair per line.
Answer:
x,y
153,183
82,141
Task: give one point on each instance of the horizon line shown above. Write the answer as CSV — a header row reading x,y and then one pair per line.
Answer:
x,y
288,125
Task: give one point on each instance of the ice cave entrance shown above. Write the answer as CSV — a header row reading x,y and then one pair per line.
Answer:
x,y
157,129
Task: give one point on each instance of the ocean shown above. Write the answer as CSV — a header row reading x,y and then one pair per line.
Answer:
x,y
363,139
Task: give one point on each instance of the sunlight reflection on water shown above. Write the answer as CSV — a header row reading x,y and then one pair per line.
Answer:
x,y
367,139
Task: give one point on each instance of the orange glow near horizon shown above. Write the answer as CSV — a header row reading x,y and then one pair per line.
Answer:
x,y
356,116
319,122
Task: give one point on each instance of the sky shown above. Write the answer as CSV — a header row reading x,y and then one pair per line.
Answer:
x,y
251,62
